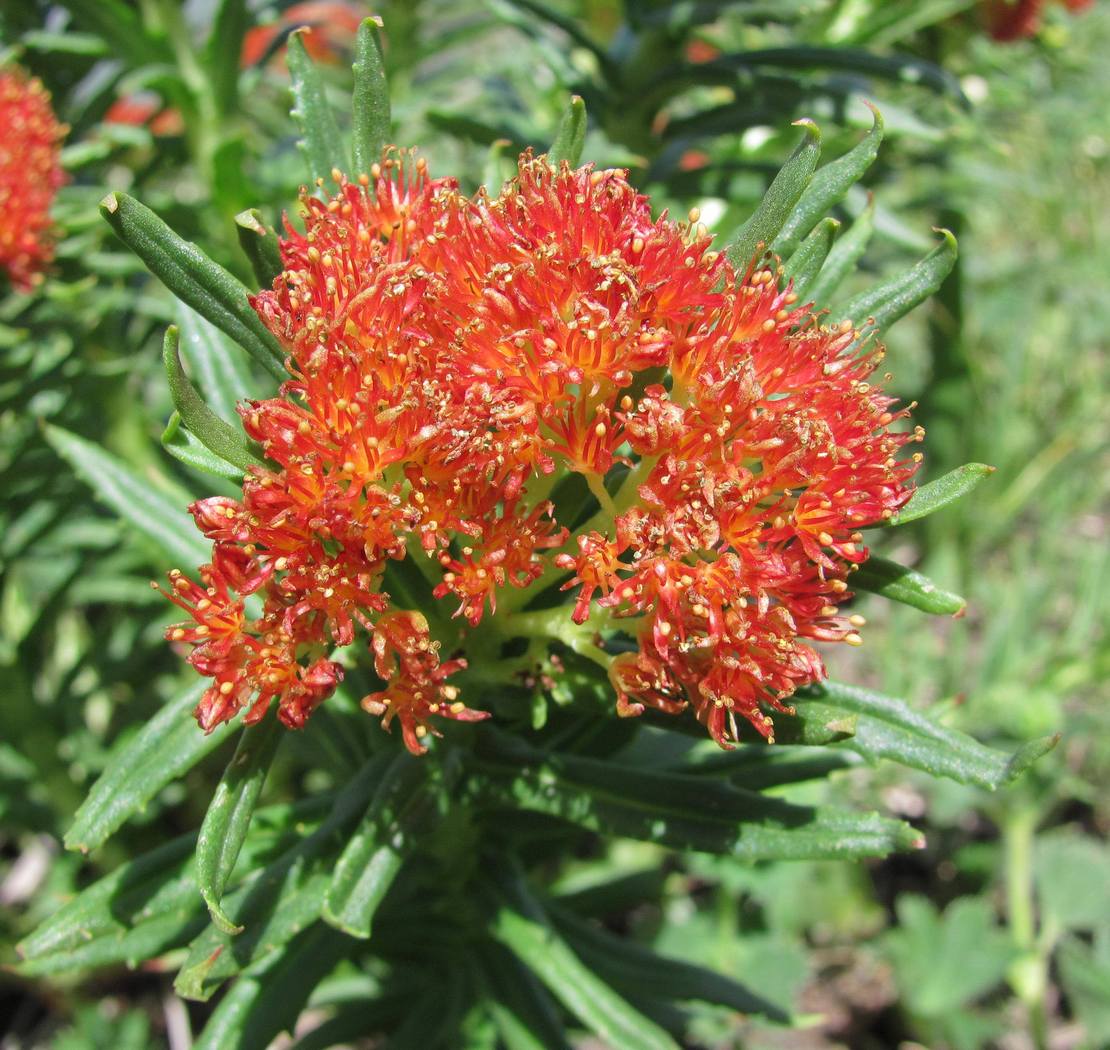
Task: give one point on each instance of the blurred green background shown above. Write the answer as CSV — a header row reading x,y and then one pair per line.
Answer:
x,y
995,935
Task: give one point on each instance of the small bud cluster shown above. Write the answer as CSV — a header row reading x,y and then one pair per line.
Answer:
x,y
453,361
30,175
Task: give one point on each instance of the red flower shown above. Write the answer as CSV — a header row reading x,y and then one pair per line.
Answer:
x,y
451,360
30,175
1009,20
331,28
145,109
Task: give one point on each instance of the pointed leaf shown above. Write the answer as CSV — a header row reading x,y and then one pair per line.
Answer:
x,y
153,514
217,435
936,495
828,187
221,372
889,728
229,814
684,811
571,135
168,745
370,102
260,246
843,256
183,446
321,142
194,278
896,297
520,924
376,850
779,201
901,584
805,264
526,1016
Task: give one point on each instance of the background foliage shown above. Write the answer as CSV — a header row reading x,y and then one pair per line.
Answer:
x,y
998,932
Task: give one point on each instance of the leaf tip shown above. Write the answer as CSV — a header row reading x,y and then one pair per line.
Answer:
x,y
110,202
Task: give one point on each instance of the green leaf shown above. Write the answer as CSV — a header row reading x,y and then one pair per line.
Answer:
x,y
639,970
805,264
153,514
276,902
194,278
901,584
168,745
889,728
779,201
260,246
1085,975
521,925
216,434
942,962
377,849
570,136
321,142
928,499
845,253
222,51
526,1016
183,446
682,811
1073,880
828,187
894,298
370,102
221,372
258,1009
92,929
229,814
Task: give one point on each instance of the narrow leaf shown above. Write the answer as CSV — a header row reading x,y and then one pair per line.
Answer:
x,y
221,372
260,246
896,297
520,924
216,434
938,494
370,101
183,446
526,1016
640,970
888,728
138,502
321,142
194,278
570,136
779,201
378,847
257,1009
842,258
168,745
805,264
901,584
222,51
229,814
828,187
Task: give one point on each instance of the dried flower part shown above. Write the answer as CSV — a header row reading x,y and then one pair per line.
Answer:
x,y
452,359
30,176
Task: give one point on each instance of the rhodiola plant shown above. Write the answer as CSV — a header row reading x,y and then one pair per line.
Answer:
x,y
542,481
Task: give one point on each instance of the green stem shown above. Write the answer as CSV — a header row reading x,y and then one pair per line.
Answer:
x,y
1030,981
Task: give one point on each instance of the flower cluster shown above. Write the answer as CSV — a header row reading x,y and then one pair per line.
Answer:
x,y
30,175
455,359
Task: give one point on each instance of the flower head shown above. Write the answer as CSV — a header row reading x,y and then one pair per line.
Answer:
x,y
453,362
30,175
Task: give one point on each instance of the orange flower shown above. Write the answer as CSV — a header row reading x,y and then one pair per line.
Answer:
x,y
452,359
145,109
1009,20
30,176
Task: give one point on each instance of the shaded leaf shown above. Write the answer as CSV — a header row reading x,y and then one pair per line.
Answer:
x,y
183,446
902,584
570,136
321,142
260,246
216,362
168,745
805,264
843,256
